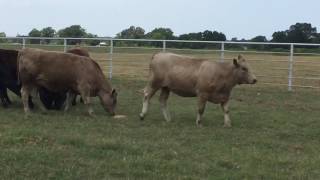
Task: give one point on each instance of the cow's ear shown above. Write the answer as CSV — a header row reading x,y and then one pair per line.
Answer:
x,y
114,93
235,62
240,57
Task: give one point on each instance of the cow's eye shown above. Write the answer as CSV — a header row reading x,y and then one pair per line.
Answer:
x,y
244,69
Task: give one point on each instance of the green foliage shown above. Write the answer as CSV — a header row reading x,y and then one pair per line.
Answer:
x,y
48,32
160,33
74,31
201,36
297,33
279,36
259,39
34,33
131,33
92,42
3,34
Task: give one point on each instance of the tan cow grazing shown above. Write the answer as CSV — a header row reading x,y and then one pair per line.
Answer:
x,y
63,72
191,77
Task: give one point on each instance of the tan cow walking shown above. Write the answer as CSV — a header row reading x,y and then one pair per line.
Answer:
x,y
63,72
191,77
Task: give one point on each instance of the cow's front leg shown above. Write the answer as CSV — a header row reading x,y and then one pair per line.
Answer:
x,y
69,98
225,108
25,93
201,107
88,103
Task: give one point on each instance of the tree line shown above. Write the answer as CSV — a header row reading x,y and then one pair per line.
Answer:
x,y
297,33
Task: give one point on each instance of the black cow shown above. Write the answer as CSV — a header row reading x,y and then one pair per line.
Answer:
x,y
8,76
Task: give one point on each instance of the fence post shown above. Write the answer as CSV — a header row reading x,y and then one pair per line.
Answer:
x,y
222,52
290,67
23,43
164,46
65,45
110,58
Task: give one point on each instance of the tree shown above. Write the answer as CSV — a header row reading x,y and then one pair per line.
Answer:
x,y
2,34
280,36
132,33
258,39
35,33
160,33
92,42
74,31
301,33
48,32
202,36
192,36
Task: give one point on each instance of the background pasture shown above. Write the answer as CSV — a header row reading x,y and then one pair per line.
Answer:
x,y
275,133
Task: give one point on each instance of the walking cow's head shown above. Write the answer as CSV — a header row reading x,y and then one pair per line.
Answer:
x,y
243,71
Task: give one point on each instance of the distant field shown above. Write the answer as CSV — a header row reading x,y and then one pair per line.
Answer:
x,y
275,133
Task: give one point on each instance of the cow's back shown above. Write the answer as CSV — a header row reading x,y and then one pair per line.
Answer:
x,y
58,71
179,73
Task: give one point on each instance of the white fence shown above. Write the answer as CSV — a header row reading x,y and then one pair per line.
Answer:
x,y
287,55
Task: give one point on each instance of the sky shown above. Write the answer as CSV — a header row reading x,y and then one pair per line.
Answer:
x,y
235,18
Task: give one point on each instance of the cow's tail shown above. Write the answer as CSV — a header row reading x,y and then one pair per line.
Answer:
x,y
150,64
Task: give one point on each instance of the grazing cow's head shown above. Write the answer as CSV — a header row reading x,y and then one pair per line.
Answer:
x,y
109,101
243,71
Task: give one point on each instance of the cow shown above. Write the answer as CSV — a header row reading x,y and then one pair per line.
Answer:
x,y
55,100
8,76
64,72
192,77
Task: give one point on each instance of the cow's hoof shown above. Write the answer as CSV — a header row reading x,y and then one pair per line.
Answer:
x,y
199,124
227,126
141,117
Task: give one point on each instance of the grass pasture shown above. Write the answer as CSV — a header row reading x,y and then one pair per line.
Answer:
x,y
275,133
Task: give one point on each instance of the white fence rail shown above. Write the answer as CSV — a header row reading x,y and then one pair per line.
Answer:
x,y
222,50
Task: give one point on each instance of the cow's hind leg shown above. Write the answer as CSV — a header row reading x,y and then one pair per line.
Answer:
x,y
225,108
201,107
4,97
148,93
164,95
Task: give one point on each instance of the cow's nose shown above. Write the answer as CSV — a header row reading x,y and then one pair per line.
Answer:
x,y
254,81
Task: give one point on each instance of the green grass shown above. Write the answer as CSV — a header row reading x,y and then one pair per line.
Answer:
x,y
275,135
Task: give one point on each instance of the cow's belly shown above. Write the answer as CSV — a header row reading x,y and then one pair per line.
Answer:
x,y
218,98
184,93
55,84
